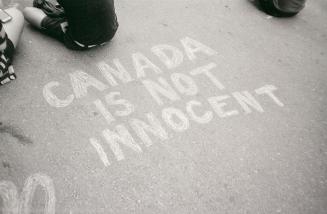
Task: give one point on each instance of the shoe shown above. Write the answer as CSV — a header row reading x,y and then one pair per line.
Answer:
x,y
282,8
7,72
50,7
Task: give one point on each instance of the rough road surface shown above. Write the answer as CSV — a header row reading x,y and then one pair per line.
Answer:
x,y
194,107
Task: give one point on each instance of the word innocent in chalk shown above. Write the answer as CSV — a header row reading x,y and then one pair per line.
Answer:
x,y
139,133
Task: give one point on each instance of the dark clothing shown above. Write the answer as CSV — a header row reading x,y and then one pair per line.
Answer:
x,y
54,27
4,40
90,21
9,51
289,6
282,8
85,23
50,7
6,57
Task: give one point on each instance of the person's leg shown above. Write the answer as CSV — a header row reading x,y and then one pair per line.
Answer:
x,y
34,16
54,27
14,28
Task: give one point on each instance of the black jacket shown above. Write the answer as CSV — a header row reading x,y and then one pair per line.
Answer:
x,y
90,21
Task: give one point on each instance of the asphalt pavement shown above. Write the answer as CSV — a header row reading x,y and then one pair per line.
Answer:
x,y
194,107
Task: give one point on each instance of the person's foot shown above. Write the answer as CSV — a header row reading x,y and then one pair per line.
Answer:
x,y
282,8
7,72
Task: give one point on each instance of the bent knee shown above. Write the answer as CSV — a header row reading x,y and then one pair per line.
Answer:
x,y
14,28
16,14
34,15
29,12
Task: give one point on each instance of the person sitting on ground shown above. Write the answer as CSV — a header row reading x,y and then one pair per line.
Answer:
x,y
10,33
82,25
282,8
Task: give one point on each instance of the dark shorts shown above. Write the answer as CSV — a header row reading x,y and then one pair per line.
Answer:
x,y
54,27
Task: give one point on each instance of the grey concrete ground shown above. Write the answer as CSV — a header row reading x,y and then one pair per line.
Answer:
x,y
267,156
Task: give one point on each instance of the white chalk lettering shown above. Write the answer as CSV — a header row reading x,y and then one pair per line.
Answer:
x,y
141,63
181,124
161,88
104,111
52,99
99,149
204,118
110,73
13,204
81,81
176,56
268,89
245,99
29,189
192,46
9,195
184,84
205,70
218,106
154,126
124,137
112,99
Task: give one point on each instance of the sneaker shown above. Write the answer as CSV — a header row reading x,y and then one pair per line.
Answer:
x,y
7,72
282,8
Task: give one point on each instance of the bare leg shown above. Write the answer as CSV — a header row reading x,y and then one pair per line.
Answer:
x,y
34,16
14,28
